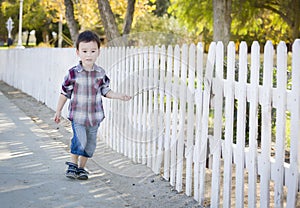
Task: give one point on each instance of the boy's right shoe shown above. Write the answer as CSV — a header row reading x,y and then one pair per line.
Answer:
x,y
71,171
82,174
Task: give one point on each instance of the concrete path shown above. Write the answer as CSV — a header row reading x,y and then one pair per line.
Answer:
x,y
32,169
33,152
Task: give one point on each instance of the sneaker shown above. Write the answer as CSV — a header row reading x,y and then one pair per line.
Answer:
x,y
71,171
82,174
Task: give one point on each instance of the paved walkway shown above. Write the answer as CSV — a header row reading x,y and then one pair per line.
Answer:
x,y
33,150
32,168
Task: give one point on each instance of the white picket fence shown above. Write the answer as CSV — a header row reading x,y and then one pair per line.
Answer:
x,y
181,120
203,121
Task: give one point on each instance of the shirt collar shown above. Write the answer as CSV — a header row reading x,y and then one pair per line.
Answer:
x,y
79,67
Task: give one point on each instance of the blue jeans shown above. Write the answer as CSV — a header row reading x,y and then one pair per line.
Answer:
x,y
84,139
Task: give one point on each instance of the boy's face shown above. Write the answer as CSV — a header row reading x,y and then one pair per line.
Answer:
x,y
88,52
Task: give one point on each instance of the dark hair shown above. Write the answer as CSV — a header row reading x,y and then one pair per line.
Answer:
x,y
87,36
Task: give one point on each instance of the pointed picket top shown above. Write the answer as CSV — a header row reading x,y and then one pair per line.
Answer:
x,y
199,65
220,60
191,67
230,61
255,63
281,63
268,63
243,52
210,60
296,63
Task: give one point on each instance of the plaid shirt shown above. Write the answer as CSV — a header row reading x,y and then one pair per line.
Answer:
x,y
85,89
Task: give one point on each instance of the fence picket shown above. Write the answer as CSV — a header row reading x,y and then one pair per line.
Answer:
x,y
113,105
280,124
253,121
135,135
292,175
205,118
122,76
229,109
198,102
140,135
240,92
155,85
181,134
190,119
150,139
168,118
264,158
174,115
145,106
161,107
218,119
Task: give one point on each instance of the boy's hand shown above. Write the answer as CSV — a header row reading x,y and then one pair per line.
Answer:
x,y
125,97
116,95
57,117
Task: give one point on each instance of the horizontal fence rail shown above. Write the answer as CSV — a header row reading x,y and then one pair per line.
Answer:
x,y
224,128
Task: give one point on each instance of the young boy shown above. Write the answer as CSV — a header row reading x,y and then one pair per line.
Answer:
x,y
84,85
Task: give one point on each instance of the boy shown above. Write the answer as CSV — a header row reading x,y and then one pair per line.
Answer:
x,y
84,85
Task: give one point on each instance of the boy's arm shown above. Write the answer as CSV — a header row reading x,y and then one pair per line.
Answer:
x,y
61,102
115,95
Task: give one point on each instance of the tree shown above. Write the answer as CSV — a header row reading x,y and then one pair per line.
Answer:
x,y
288,10
210,18
35,17
250,20
108,20
196,15
129,17
72,24
222,20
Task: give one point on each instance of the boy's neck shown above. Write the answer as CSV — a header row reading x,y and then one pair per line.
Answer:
x,y
87,68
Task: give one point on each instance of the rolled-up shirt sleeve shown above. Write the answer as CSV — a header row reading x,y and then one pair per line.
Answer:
x,y
105,86
67,85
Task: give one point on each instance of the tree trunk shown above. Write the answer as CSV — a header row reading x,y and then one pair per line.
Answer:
x,y
108,20
72,24
129,17
296,25
222,20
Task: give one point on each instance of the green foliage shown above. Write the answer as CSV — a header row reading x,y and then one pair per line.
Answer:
x,y
196,15
160,30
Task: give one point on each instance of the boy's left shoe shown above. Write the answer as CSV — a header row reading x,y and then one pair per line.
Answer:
x,y
71,171
82,174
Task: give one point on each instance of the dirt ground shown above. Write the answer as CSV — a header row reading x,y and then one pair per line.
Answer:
x,y
135,183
